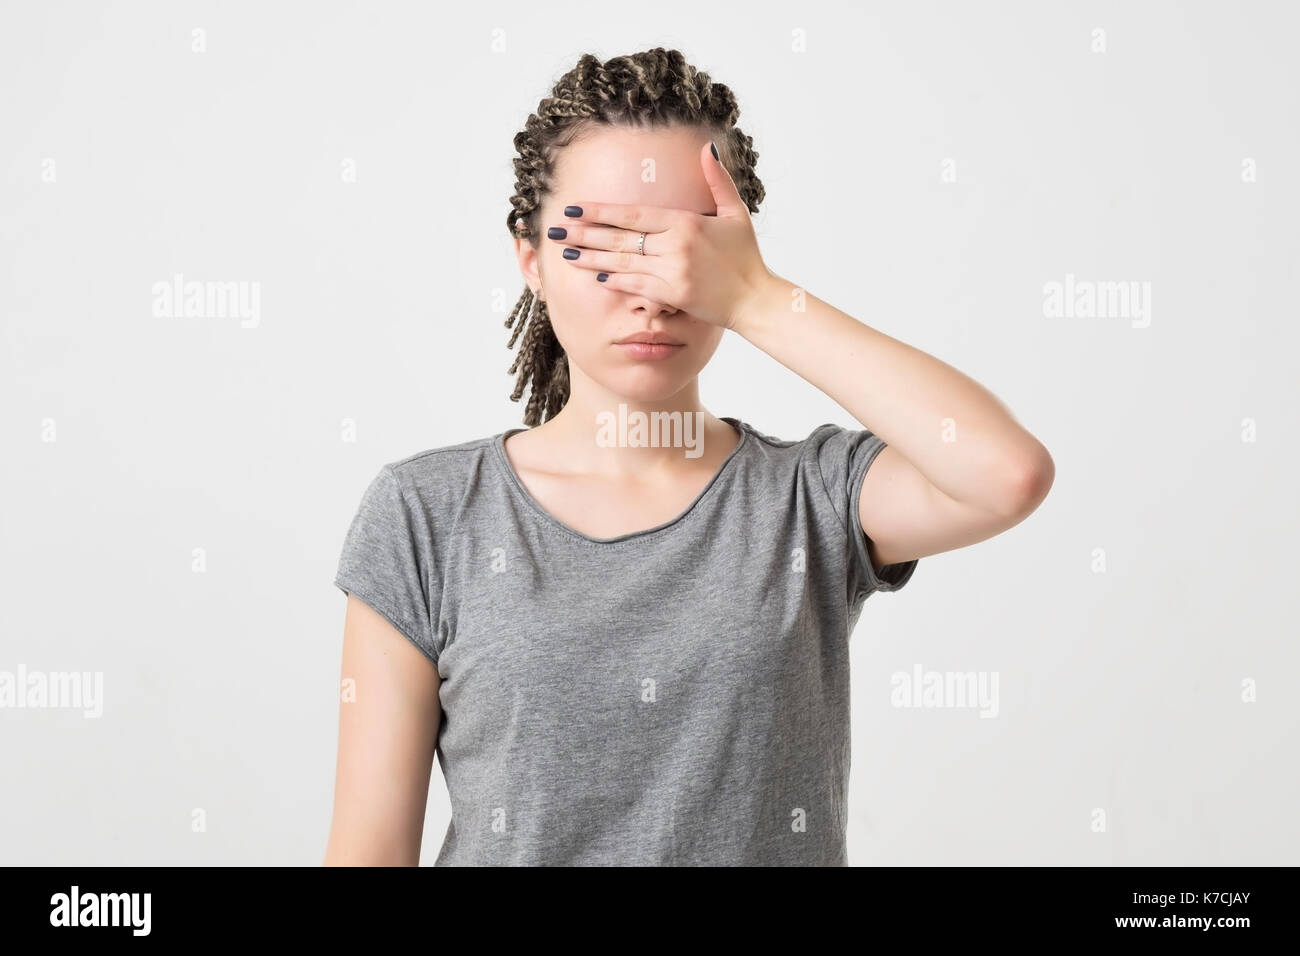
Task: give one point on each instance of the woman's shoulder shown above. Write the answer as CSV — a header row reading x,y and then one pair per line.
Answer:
x,y
461,450
443,467
815,441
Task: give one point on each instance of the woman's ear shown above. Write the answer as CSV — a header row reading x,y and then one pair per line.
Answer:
x,y
529,265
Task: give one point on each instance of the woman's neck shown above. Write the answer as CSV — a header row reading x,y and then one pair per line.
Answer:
x,y
598,431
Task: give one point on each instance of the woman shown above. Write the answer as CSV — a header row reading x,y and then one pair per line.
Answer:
x,y
624,629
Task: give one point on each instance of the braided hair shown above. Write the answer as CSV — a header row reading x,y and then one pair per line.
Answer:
x,y
653,88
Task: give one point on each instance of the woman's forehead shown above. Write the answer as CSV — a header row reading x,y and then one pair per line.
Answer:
x,y
650,167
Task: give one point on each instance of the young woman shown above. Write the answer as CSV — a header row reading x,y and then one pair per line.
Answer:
x,y
628,645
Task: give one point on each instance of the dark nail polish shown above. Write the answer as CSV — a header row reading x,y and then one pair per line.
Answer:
x,y
570,253
573,212
602,276
556,232
715,150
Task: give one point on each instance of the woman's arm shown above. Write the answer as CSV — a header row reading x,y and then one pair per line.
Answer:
x,y
387,741
959,468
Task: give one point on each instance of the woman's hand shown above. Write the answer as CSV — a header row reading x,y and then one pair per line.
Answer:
x,y
706,266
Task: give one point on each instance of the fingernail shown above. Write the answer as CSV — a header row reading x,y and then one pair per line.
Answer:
x,y
570,253
602,276
573,211
556,232
715,150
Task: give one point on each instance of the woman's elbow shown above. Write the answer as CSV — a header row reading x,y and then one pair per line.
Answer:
x,y
1031,479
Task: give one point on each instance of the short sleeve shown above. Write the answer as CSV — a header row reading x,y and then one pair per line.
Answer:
x,y
843,457
386,560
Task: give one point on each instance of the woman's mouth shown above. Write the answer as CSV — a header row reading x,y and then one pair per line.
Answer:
x,y
650,345
650,350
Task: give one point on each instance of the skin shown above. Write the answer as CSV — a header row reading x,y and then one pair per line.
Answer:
x,y
387,738
958,468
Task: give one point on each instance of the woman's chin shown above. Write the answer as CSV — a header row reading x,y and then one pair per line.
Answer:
x,y
648,389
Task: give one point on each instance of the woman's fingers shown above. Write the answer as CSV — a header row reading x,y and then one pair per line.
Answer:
x,y
599,260
631,216
608,238
638,283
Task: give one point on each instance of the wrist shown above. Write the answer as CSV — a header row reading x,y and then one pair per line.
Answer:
x,y
767,303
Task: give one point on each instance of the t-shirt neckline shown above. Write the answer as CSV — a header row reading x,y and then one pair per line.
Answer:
x,y
512,479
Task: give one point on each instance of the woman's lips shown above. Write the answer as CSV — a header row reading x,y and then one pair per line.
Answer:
x,y
649,350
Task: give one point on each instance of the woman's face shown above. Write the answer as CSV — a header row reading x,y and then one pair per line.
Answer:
x,y
659,167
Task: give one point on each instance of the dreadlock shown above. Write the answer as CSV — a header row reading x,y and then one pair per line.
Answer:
x,y
653,88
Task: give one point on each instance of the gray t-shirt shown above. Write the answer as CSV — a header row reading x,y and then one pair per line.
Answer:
x,y
673,696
